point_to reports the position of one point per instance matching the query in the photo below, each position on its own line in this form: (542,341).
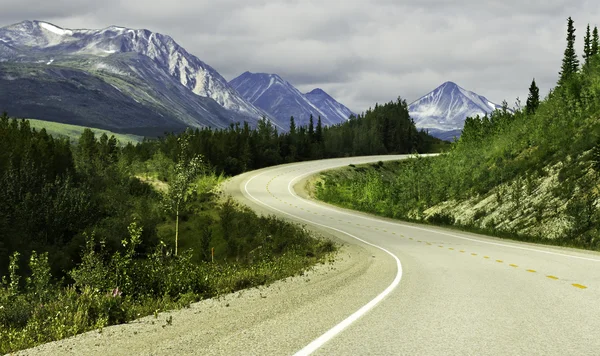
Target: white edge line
(331,333)
(425,229)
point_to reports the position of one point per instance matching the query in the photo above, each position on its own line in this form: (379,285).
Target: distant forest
(386,129)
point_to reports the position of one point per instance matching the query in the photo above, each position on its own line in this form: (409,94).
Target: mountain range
(121,79)
(442,112)
(281,99)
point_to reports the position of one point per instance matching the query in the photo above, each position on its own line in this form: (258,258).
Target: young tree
(533,99)
(570,63)
(587,45)
(180,187)
(595,42)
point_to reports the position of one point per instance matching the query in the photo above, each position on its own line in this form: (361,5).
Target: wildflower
(116,292)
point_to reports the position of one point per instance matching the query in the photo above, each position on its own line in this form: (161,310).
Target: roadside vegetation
(532,174)
(88,235)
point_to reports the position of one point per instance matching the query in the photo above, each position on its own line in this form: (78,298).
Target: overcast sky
(361,52)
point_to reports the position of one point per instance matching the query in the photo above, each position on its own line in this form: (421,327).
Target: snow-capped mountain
(282,100)
(330,107)
(446,108)
(137,60)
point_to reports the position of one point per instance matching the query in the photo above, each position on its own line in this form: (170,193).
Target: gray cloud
(361,52)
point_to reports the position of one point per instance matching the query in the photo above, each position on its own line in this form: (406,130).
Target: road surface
(395,289)
(458,293)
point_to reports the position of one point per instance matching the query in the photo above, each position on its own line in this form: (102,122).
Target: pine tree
(292,126)
(587,45)
(311,128)
(319,130)
(533,100)
(595,50)
(570,63)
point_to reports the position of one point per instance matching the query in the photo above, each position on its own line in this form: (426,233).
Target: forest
(529,174)
(97,233)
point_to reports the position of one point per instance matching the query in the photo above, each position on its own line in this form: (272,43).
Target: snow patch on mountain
(55,29)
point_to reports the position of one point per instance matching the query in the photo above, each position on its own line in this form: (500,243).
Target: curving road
(394,289)
(440,292)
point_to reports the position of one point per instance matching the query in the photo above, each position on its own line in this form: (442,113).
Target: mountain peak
(446,107)
(317,91)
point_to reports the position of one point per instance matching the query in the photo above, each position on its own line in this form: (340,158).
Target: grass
(73,132)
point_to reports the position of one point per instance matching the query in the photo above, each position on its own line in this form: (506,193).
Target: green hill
(73,132)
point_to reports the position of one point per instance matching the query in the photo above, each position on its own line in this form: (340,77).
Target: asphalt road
(394,289)
(445,292)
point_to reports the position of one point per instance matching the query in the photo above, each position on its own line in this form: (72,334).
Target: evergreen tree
(587,45)
(533,100)
(570,63)
(319,130)
(292,126)
(595,42)
(311,129)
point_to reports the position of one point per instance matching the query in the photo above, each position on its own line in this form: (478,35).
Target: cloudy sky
(361,52)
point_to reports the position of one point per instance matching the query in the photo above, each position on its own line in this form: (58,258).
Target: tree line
(384,129)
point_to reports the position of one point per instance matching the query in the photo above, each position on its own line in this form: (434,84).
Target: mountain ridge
(281,99)
(189,91)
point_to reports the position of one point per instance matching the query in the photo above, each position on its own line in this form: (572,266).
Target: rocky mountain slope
(137,79)
(282,100)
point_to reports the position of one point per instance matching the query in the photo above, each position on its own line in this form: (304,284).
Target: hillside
(532,174)
(120,79)
(73,132)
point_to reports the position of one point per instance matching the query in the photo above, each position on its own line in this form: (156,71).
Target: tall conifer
(587,45)
(595,42)
(319,130)
(570,63)
(533,99)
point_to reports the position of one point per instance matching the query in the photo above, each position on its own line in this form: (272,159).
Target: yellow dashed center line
(576,285)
